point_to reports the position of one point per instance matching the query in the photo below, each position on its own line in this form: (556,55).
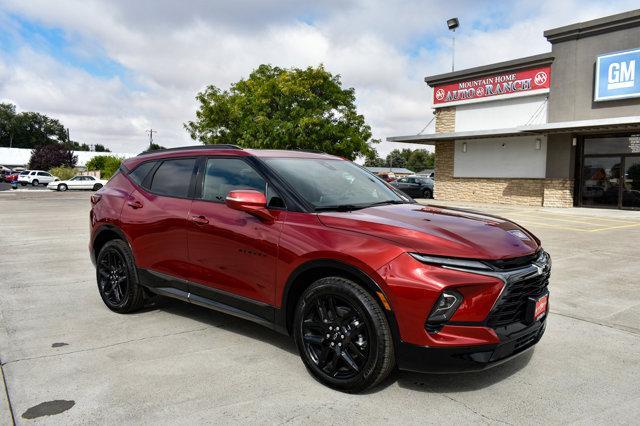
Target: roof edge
(511,65)
(594,27)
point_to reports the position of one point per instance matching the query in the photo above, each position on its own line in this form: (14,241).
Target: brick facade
(529,192)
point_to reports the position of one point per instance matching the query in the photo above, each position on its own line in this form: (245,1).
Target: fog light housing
(443,310)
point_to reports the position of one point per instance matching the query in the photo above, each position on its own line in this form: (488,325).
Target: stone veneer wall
(529,192)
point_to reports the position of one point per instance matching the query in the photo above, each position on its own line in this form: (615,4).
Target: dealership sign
(618,76)
(486,88)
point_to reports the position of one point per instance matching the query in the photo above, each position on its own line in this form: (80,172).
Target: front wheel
(62,187)
(117,280)
(97,186)
(427,193)
(343,336)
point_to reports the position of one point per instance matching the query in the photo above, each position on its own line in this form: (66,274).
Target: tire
(23,183)
(427,193)
(97,186)
(62,187)
(35,182)
(117,279)
(334,317)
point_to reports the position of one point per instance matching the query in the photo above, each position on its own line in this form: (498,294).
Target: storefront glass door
(601,181)
(610,172)
(631,183)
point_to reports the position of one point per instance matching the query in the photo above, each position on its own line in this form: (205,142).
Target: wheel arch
(304,275)
(103,235)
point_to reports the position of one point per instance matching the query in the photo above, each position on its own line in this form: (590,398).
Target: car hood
(438,231)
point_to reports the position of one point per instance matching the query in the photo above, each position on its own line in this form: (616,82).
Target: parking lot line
(547,225)
(630,225)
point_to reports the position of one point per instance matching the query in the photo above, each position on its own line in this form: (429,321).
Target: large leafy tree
(420,159)
(45,157)
(283,109)
(30,129)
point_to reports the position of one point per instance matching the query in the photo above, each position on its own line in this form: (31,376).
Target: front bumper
(468,358)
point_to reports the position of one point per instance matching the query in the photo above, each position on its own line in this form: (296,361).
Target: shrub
(107,164)
(45,157)
(63,173)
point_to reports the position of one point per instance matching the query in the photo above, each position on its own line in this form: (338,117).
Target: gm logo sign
(617,76)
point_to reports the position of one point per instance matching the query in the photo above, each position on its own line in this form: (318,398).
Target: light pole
(453,23)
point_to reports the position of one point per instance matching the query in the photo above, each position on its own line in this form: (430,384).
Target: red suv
(314,246)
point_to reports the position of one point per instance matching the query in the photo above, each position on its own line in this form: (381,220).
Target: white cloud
(169,51)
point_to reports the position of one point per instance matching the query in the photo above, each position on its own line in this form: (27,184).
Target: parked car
(415,186)
(310,245)
(77,182)
(387,177)
(10,177)
(35,177)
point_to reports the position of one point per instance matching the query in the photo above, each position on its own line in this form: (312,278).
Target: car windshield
(334,184)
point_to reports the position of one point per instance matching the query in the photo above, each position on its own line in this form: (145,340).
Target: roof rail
(182,148)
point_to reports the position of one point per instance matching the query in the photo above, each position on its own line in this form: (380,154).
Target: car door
(232,252)
(45,177)
(154,217)
(75,182)
(88,182)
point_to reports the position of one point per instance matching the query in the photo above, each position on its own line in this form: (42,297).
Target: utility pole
(151,132)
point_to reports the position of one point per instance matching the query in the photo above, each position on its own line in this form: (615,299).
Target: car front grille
(512,306)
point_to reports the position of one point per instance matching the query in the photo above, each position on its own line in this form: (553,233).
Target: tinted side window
(139,173)
(227,174)
(173,177)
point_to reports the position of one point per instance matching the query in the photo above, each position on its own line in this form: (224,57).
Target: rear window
(173,177)
(140,172)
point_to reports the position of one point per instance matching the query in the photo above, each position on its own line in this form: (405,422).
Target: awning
(616,124)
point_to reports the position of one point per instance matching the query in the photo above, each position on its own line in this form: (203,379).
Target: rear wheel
(117,280)
(35,182)
(97,186)
(342,335)
(427,193)
(62,187)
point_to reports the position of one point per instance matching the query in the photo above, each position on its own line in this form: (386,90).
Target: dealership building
(559,129)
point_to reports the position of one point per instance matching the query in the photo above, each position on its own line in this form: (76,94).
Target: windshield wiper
(340,208)
(349,207)
(380,203)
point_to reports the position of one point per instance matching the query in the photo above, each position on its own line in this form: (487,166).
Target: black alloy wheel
(342,335)
(97,186)
(117,281)
(335,336)
(427,193)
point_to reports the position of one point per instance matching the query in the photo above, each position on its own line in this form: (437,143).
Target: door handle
(135,204)
(199,220)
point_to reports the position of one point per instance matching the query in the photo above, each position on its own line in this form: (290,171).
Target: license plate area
(537,307)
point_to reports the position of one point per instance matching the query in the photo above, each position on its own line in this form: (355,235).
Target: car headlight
(450,261)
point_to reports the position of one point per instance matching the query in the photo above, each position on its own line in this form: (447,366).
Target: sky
(111,69)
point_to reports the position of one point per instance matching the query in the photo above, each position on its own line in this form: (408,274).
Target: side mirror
(249,201)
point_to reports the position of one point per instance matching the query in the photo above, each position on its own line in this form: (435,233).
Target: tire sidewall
(62,187)
(330,286)
(133,288)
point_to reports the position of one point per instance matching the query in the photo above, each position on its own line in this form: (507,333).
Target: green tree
(64,173)
(101,148)
(153,147)
(45,157)
(371,158)
(107,164)
(420,159)
(395,159)
(283,109)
